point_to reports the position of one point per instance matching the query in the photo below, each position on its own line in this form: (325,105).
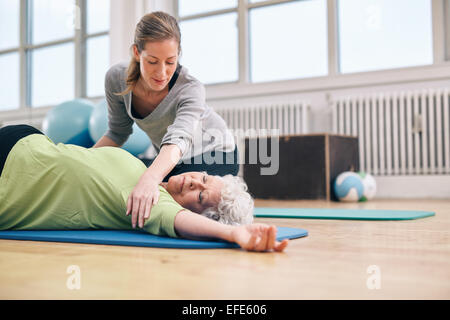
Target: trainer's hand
(140,201)
(258,237)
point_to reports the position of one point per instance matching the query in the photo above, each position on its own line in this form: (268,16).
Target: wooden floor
(413,259)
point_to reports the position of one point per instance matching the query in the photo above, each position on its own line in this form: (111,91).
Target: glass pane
(288,41)
(382,34)
(53,20)
(189,7)
(210,48)
(9,23)
(97,65)
(97,16)
(53,75)
(9,81)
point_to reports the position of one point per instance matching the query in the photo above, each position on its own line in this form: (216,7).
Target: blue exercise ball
(68,123)
(137,143)
(348,186)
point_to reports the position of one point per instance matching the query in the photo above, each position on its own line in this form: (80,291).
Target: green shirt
(47,186)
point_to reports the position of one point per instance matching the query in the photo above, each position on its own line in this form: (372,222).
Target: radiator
(399,133)
(286,118)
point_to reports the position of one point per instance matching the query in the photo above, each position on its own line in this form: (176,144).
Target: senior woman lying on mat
(48,186)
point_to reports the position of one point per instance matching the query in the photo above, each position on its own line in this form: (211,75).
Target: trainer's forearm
(105,142)
(167,159)
(193,226)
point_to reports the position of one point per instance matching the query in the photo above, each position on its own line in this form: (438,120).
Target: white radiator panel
(287,118)
(400,133)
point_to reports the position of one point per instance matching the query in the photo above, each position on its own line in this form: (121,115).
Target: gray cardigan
(182,118)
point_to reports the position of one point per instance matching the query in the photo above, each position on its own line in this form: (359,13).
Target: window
(97,46)
(191,7)
(209,42)
(52,70)
(9,81)
(52,51)
(9,20)
(384,34)
(97,16)
(9,56)
(288,41)
(210,48)
(51,20)
(97,52)
(274,40)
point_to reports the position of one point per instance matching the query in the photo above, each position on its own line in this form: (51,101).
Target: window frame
(25,50)
(439,70)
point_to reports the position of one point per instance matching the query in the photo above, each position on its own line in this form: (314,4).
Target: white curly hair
(236,204)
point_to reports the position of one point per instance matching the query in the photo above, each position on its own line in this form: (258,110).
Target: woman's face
(158,62)
(195,191)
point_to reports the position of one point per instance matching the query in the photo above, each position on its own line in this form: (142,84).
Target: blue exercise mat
(348,214)
(132,238)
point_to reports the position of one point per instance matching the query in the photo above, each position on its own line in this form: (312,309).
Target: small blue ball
(348,186)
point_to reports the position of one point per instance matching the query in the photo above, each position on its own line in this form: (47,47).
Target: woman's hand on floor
(258,237)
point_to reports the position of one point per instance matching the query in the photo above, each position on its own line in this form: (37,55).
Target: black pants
(214,163)
(9,135)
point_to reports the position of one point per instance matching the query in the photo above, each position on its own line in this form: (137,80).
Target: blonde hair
(155,26)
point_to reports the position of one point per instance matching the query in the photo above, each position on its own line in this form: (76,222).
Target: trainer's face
(158,62)
(195,191)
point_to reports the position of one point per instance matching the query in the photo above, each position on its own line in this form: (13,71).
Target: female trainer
(166,102)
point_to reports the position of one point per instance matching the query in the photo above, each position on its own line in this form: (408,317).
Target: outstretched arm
(253,237)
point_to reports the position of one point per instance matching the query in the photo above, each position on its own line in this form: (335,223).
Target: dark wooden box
(307,165)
